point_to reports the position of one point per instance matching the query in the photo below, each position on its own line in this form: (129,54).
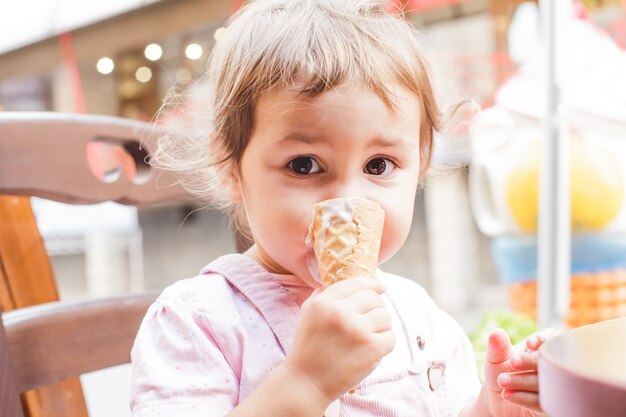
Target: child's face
(342,143)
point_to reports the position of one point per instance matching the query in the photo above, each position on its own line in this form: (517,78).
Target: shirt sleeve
(178,368)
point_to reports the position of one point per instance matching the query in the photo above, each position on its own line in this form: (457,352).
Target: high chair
(44,343)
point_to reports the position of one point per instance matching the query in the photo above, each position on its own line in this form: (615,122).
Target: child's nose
(348,188)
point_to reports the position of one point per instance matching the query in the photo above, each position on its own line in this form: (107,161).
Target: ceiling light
(219,33)
(105,65)
(193,51)
(143,74)
(153,52)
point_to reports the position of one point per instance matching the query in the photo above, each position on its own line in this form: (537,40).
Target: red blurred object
(236,5)
(71,66)
(617,30)
(106,160)
(580,11)
(419,5)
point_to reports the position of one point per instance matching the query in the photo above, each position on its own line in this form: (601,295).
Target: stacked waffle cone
(594,296)
(345,235)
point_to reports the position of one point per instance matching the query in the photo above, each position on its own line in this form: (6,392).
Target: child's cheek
(394,234)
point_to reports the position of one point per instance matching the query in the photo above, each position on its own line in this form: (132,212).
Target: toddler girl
(312,100)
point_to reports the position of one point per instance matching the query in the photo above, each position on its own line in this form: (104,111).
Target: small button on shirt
(209,341)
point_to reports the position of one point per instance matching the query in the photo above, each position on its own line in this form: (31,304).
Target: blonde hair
(272,44)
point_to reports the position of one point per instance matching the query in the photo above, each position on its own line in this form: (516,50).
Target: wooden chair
(48,343)
(76,159)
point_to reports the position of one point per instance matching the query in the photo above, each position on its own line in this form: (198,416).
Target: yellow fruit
(597,188)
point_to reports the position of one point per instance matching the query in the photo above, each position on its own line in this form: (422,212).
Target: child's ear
(233,186)
(227,174)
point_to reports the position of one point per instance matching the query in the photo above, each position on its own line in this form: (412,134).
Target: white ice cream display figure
(504,176)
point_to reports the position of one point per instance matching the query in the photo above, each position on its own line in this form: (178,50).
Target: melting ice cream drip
(345,235)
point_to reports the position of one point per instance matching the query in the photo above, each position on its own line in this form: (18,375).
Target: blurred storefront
(124,61)
(66,71)
(124,64)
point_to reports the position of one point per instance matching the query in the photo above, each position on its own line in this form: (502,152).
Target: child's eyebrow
(376,142)
(302,137)
(391,142)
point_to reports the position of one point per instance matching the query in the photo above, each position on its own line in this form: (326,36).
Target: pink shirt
(209,341)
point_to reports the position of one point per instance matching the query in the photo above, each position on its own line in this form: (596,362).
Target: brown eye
(379,167)
(304,165)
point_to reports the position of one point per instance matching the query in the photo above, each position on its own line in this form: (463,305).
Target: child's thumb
(499,348)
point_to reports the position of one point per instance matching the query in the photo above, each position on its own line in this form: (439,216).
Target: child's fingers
(363,301)
(347,287)
(535,340)
(499,347)
(499,350)
(378,320)
(523,398)
(524,361)
(385,342)
(522,381)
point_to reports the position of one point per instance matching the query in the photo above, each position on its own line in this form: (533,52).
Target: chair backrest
(48,343)
(75,159)
(82,159)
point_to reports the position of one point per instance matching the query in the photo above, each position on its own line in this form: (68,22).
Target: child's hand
(511,375)
(343,334)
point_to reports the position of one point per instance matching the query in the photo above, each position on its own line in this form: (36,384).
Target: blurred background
(472,243)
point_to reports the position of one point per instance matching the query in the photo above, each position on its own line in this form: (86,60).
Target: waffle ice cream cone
(345,235)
